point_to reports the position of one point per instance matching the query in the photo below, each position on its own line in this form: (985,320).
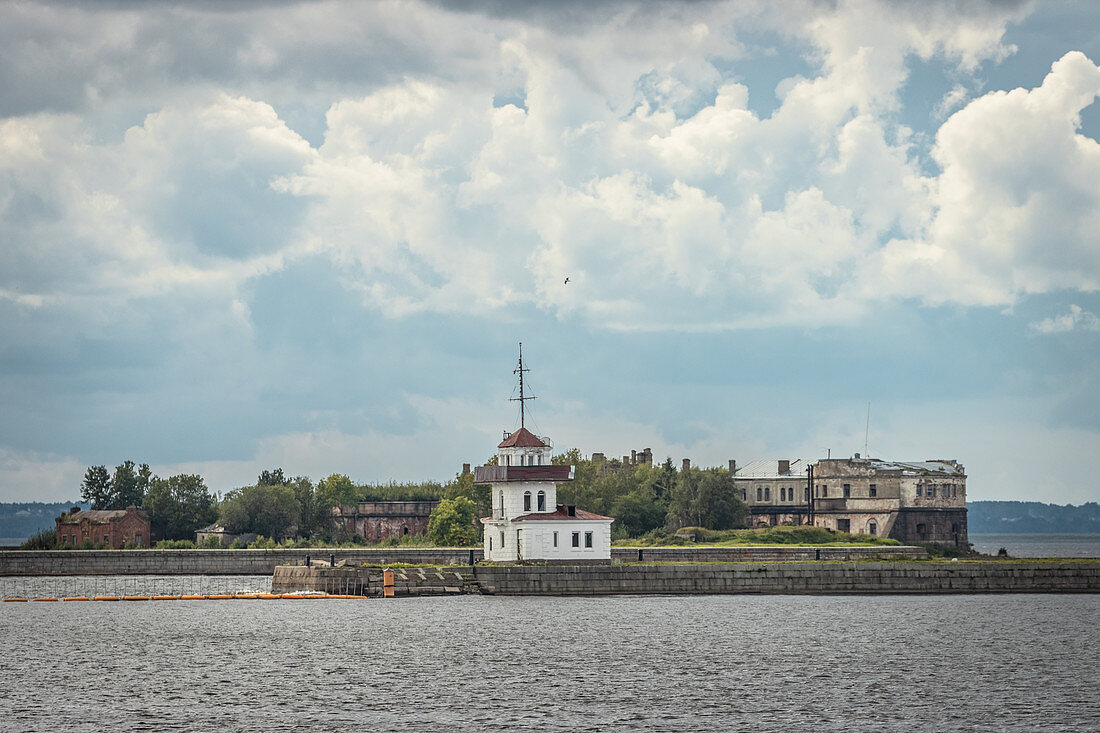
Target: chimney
(784,466)
(633,458)
(733,467)
(687,464)
(465,468)
(571,510)
(647,456)
(598,458)
(857,456)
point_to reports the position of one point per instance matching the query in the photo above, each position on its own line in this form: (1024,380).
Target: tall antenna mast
(866,430)
(521,399)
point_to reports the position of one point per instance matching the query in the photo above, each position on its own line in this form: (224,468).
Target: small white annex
(527,522)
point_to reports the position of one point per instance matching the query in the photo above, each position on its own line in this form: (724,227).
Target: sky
(243,235)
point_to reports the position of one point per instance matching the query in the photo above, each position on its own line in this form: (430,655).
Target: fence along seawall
(264,562)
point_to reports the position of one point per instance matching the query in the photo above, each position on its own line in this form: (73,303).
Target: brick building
(116,527)
(379,520)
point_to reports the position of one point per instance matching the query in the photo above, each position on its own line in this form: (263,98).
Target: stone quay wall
(211,562)
(816,578)
(361,581)
(264,562)
(775,553)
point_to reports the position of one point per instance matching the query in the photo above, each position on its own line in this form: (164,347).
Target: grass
(802,536)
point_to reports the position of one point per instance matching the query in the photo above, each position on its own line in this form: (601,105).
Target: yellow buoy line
(194,597)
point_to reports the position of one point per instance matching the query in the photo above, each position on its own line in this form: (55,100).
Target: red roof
(562,514)
(522,438)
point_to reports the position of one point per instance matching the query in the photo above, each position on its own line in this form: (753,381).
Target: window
(526,501)
(502,504)
(920,490)
(744,495)
(490,544)
(873,491)
(767,493)
(946,492)
(824,492)
(847,490)
(576,539)
(542,501)
(954,490)
(806,491)
(137,540)
(502,540)
(783,493)
(507,460)
(872,528)
(555,539)
(587,539)
(759,493)
(921,530)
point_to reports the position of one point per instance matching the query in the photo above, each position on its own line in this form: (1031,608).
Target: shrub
(44,540)
(174,545)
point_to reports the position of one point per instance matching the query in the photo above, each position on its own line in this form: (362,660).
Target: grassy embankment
(766,536)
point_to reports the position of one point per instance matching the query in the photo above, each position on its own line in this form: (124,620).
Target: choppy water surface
(1039,545)
(1011,662)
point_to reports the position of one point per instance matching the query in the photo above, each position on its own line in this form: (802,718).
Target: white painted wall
(513,491)
(524,456)
(535,540)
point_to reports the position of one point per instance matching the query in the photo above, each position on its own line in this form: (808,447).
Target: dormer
(524,448)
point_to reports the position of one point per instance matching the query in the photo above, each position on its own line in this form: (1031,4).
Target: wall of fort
(263,562)
(813,578)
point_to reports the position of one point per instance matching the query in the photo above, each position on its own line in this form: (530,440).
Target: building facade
(527,522)
(379,520)
(116,527)
(910,501)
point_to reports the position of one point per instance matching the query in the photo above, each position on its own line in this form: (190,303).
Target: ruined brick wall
(942,526)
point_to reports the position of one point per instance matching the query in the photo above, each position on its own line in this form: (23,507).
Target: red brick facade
(379,520)
(116,527)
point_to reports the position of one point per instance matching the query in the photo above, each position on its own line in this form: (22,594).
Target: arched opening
(542,501)
(502,505)
(526,501)
(404,530)
(872,528)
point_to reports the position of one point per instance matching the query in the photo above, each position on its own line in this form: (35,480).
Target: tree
(451,523)
(337,490)
(313,518)
(179,505)
(268,510)
(463,485)
(96,487)
(128,486)
(705,499)
(272,478)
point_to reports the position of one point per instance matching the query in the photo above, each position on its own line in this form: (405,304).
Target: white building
(527,522)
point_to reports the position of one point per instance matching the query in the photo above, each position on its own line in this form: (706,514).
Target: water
(685,663)
(1039,545)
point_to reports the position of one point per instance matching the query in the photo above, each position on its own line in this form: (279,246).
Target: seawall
(264,562)
(807,578)
(794,578)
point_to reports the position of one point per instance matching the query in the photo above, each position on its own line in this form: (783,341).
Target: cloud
(1076,320)
(1016,203)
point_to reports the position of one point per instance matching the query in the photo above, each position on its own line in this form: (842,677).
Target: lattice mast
(522,397)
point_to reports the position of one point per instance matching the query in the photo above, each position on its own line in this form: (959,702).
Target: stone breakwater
(264,562)
(813,578)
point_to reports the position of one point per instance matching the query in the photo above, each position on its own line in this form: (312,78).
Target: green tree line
(642,498)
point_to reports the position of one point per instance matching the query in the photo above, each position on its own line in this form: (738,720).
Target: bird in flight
(566,281)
